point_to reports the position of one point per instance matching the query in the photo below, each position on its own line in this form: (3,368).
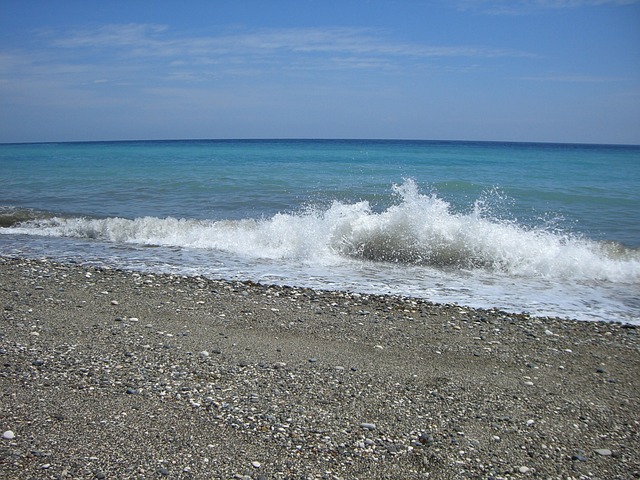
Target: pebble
(368,426)
(523,469)
(603,451)
(256,464)
(8,435)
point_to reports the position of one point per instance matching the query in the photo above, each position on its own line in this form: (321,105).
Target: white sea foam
(418,230)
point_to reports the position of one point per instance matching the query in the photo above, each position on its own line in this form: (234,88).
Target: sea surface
(547,229)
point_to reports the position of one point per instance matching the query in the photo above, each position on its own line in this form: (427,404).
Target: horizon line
(319,139)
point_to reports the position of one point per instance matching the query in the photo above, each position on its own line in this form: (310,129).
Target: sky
(496,70)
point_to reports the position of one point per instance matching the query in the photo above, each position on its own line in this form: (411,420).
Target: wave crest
(417,229)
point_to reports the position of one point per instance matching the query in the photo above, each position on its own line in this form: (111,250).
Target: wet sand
(111,374)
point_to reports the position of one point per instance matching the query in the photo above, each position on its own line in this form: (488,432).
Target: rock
(368,426)
(8,435)
(425,439)
(255,464)
(523,469)
(131,391)
(605,452)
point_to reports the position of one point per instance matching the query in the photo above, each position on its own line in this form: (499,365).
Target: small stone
(530,384)
(99,475)
(114,302)
(256,464)
(204,354)
(523,469)
(131,391)
(604,452)
(8,435)
(313,360)
(530,422)
(163,471)
(368,426)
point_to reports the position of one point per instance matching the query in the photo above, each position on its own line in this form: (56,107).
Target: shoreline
(117,374)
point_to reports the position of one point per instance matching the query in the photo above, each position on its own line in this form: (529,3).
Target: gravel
(112,374)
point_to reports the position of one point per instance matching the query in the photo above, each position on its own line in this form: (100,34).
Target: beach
(122,374)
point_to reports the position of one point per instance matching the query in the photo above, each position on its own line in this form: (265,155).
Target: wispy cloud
(572,78)
(130,53)
(522,7)
(158,40)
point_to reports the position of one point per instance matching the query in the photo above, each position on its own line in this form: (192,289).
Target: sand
(112,374)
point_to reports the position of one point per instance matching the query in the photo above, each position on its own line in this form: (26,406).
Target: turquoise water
(543,228)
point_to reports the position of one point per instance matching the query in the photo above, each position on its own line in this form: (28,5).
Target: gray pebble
(368,426)
(603,451)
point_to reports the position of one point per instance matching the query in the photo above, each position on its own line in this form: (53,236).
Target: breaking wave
(417,229)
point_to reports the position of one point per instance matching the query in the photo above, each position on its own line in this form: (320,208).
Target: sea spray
(416,229)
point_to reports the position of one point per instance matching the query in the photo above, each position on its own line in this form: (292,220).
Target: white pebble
(8,435)
(256,464)
(524,469)
(530,422)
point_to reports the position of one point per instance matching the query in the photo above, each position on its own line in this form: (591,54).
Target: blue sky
(518,70)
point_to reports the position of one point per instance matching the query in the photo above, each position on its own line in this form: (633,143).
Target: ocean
(546,229)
